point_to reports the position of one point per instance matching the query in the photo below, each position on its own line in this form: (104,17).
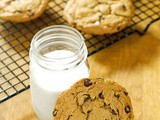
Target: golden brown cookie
(94,99)
(21,10)
(99,16)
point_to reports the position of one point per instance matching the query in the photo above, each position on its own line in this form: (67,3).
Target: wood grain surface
(133,62)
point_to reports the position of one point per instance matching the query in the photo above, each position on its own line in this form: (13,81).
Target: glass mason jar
(58,58)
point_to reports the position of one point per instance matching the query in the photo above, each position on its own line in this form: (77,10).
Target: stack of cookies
(94,99)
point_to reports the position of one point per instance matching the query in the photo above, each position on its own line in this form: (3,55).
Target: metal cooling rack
(15,39)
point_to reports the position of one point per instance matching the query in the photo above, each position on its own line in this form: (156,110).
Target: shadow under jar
(58,58)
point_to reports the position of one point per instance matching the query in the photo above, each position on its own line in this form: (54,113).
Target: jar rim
(47,29)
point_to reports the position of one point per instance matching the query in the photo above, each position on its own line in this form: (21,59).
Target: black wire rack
(15,41)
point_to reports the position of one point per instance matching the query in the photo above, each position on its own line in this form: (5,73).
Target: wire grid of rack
(15,41)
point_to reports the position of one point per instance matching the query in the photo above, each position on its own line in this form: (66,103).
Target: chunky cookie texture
(21,10)
(94,99)
(99,16)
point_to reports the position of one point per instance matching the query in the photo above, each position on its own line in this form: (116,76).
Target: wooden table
(133,62)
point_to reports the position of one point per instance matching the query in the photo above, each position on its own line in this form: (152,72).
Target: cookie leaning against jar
(21,10)
(94,99)
(99,16)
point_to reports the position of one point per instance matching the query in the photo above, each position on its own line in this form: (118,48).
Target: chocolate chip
(118,111)
(114,112)
(127,109)
(124,7)
(116,95)
(101,96)
(87,82)
(55,113)
(126,93)
(89,111)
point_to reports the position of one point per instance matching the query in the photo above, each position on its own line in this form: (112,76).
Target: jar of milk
(58,58)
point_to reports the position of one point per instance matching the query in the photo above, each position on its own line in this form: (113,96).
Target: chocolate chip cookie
(21,10)
(94,99)
(99,16)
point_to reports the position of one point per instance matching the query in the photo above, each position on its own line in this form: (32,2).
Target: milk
(47,84)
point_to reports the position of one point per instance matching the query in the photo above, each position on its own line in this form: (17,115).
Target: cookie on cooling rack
(94,99)
(21,10)
(99,16)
